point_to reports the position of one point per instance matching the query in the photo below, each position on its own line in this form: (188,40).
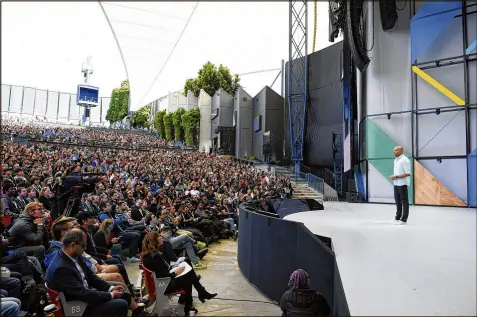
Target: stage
(426,267)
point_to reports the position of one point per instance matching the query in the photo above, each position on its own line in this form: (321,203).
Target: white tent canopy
(44,44)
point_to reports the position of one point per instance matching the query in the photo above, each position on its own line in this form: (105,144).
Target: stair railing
(316,183)
(329,178)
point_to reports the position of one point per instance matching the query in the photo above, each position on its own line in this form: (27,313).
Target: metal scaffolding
(297,78)
(419,112)
(338,162)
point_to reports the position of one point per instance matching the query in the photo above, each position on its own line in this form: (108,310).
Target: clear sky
(45,43)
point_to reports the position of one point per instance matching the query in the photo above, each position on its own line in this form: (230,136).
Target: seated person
(153,259)
(139,210)
(183,242)
(124,227)
(152,222)
(10,306)
(28,233)
(12,286)
(9,208)
(61,227)
(169,218)
(102,239)
(186,222)
(86,221)
(228,213)
(302,300)
(18,261)
(69,274)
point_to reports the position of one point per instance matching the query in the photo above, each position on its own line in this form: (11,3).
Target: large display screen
(87,94)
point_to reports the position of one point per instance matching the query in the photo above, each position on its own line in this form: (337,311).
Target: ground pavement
(236,296)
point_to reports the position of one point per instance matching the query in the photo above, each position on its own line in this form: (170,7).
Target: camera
(69,190)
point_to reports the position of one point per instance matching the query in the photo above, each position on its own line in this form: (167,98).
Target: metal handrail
(329,177)
(316,183)
(309,170)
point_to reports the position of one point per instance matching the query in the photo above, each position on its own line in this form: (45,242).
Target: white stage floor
(426,267)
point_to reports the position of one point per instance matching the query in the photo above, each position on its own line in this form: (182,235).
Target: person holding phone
(102,239)
(152,259)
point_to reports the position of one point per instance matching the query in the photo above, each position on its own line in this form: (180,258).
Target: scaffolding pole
(297,78)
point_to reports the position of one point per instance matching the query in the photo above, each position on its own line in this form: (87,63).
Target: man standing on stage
(402,180)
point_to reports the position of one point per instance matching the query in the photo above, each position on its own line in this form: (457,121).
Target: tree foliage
(168,127)
(177,123)
(118,106)
(159,123)
(190,124)
(210,78)
(140,118)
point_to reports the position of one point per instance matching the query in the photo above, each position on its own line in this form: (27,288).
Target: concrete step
(303,190)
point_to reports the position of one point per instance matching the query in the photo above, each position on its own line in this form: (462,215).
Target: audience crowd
(160,207)
(82,135)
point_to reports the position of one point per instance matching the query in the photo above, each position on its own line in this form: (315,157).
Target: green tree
(190,124)
(210,78)
(191,84)
(159,123)
(177,123)
(140,118)
(168,127)
(118,106)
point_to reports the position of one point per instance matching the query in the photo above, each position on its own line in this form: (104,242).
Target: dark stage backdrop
(324,113)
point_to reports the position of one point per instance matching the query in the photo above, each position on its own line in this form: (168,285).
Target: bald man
(402,180)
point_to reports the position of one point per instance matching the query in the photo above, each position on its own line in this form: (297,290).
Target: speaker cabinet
(389,15)
(354,22)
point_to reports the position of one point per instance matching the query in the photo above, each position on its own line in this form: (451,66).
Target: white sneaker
(132,260)
(403,223)
(397,222)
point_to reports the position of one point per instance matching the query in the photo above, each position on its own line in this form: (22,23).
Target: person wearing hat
(28,232)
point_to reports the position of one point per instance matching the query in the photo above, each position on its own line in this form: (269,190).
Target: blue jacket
(119,219)
(55,247)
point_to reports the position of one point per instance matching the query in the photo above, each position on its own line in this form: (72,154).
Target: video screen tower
(87,96)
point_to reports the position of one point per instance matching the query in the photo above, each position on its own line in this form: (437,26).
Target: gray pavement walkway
(236,296)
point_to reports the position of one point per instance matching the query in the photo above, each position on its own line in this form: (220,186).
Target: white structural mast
(87,96)
(87,70)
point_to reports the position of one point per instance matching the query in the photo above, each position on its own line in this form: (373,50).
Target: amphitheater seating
(7,220)
(156,288)
(65,308)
